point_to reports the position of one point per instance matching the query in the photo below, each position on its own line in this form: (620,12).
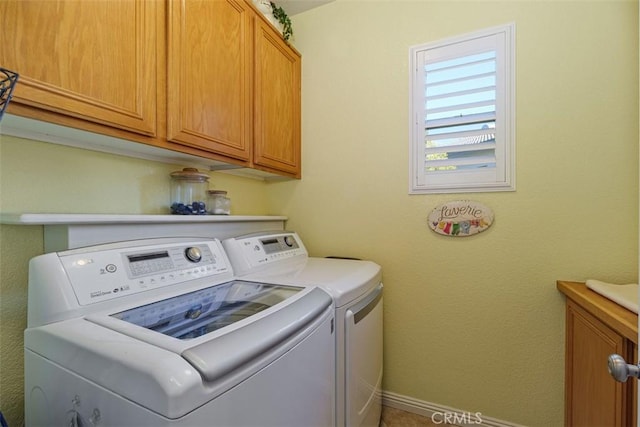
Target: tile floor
(392,417)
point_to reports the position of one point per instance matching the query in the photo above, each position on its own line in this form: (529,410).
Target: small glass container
(219,203)
(188,192)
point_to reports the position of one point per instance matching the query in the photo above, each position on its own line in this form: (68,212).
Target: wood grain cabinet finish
(210,76)
(93,60)
(596,328)
(277,102)
(201,77)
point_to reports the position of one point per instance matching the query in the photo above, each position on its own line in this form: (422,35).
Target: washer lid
(200,312)
(256,338)
(185,321)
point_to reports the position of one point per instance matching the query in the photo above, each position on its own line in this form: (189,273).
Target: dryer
(161,333)
(356,289)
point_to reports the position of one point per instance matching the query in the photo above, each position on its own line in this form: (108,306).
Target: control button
(289,241)
(193,254)
(111,268)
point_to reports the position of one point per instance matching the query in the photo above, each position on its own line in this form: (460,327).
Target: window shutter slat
(460,108)
(459,93)
(457,148)
(455,121)
(485,160)
(462,80)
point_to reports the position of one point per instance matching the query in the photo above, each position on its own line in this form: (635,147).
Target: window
(462,113)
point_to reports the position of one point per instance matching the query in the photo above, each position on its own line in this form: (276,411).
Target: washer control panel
(249,252)
(102,275)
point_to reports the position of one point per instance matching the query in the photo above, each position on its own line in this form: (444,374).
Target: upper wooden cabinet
(94,60)
(277,102)
(209,72)
(201,77)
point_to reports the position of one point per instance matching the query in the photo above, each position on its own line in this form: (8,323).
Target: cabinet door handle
(620,370)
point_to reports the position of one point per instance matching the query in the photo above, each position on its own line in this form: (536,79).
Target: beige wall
(474,323)
(42,177)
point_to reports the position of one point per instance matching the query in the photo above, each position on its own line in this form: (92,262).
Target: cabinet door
(94,60)
(277,102)
(593,397)
(633,399)
(209,76)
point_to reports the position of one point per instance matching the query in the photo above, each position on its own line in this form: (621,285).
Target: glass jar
(219,203)
(189,192)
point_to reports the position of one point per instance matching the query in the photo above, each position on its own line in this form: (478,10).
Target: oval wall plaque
(460,218)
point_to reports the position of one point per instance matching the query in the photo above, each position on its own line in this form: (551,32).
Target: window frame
(460,181)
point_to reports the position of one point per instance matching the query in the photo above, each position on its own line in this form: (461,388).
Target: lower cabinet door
(593,397)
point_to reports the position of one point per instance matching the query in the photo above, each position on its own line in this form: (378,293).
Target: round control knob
(289,241)
(193,254)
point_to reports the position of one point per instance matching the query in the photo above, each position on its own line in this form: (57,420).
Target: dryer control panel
(254,251)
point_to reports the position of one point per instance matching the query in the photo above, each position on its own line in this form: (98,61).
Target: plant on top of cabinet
(283,18)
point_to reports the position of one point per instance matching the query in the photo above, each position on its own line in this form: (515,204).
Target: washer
(160,333)
(356,288)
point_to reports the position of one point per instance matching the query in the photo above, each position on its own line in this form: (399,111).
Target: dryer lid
(344,279)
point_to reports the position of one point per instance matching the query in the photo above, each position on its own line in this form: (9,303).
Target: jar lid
(191,174)
(220,192)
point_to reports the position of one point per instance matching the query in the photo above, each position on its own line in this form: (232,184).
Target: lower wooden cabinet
(592,396)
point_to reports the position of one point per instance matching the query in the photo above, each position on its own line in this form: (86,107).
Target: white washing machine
(160,333)
(356,288)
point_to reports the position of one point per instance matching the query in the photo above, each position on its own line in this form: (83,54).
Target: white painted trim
(467,181)
(433,410)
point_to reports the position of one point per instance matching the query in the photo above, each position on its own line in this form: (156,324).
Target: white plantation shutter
(462,133)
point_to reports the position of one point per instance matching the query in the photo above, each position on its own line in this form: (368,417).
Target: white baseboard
(439,413)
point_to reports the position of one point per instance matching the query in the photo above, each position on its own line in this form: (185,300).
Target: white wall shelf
(69,231)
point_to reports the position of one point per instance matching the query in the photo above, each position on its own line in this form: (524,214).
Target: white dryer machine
(159,332)
(356,288)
